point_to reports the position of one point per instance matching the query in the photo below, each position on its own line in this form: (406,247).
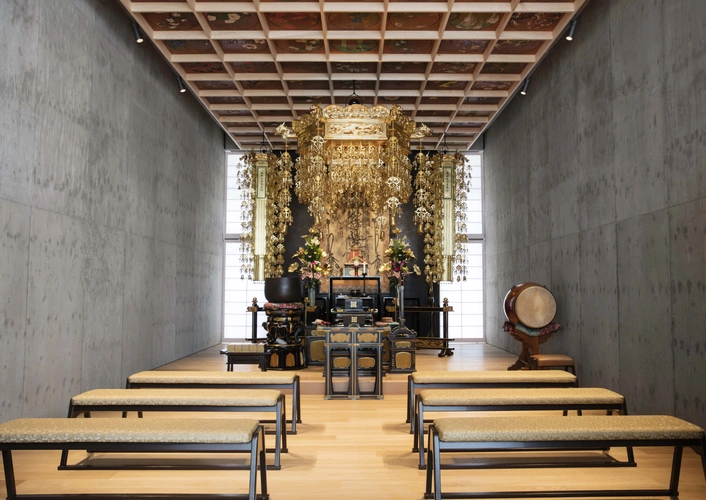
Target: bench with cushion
(480,379)
(222,380)
(503,434)
(137,435)
(178,400)
(541,361)
(565,399)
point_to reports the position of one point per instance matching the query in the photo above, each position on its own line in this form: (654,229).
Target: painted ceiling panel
(453,64)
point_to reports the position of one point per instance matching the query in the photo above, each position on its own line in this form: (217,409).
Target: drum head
(535,307)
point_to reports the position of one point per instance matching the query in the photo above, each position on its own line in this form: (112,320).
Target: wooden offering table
(246,354)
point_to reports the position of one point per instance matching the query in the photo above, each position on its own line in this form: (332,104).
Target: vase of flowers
(310,265)
(399,255)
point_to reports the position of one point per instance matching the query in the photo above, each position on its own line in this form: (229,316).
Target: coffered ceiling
(451,65)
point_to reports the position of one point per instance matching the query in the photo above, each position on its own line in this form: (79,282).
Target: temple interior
(353,198)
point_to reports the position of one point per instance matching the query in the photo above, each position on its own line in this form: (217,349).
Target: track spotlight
(182,89)
(523,90)
(138,33)
(572,28)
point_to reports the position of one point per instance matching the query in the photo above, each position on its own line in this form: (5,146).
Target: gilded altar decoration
(353,161)
(245,179)
(462,185)
(266,182)
(354,175)
(440,195)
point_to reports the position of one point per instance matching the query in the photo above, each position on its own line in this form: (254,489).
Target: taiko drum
(530,304)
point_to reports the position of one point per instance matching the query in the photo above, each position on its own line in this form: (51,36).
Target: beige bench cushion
(557,428)
(494,377)
(568,395)
(553,359)
(206,377)
(128,430)
(179,397)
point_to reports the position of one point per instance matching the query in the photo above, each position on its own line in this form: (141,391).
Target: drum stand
(530,345)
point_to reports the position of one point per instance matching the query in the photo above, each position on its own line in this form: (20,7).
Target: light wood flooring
(347,450)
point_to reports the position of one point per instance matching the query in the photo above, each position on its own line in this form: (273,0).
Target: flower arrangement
(310,264)
(399,254)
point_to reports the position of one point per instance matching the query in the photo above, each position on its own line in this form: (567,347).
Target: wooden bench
(480,379)
(137,435)
(222,380)
(503,434)
(542,361)
(178,400)
(565,399)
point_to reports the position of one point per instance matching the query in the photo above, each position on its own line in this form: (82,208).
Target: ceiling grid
(452,65)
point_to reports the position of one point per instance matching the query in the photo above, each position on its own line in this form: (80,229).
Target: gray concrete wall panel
(19,25)
(685,130)
(644,314)
(144,161)
(599,364)
(95,154)
(103,282)
(640,174)
(163,302)
(55,298)
(615,135)
(14,264)
(540,264)
(137,308)
(63,84)
(687,252)
(565,287)
(105,171)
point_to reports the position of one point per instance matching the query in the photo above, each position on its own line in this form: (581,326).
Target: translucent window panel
(466,297)
(238,295)
(233,227)
(238,292)
(475,228)
(234,197)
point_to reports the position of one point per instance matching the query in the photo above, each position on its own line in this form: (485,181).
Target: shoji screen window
(466,297)
(238,290)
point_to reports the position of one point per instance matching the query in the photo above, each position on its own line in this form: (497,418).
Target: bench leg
(427,492)
(296,405)
(676,471)
(9,474)
(260,449)
(419,430)
(257,456)
(281,433)
(434,466)
(631,453)
(282,421)
(410,403)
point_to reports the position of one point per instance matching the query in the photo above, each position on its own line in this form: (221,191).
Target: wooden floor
(347,450)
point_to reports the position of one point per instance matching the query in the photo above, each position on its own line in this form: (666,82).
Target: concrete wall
(596,187)
(111,206)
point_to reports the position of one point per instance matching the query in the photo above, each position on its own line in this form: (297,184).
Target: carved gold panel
(403,360)
(366,362)
(316,350)
(341,362)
